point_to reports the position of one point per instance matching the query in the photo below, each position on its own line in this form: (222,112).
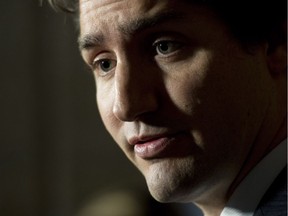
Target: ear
(277,60)
(277,51)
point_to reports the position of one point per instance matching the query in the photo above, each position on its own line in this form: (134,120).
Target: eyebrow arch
(89,41)
(141,24)
(128,28)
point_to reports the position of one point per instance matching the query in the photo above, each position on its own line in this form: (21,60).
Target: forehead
(103,6)
(108,4)
(96,14)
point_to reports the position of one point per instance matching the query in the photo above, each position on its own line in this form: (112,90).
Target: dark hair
(251,21)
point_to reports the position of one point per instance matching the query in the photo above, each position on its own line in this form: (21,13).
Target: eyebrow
(142,24)
(89,41)
(128,28)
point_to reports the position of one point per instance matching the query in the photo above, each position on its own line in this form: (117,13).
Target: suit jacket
(274,202)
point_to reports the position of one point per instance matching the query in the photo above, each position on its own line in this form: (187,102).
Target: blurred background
(56,159)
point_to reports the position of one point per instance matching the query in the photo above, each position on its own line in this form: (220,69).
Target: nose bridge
(134,95)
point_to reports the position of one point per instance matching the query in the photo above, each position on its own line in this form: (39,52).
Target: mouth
(160,146)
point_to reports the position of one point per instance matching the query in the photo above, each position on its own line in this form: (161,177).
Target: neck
(213,202)
(270,135)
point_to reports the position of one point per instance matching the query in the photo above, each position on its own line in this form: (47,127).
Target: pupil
(105,64)
(164,47)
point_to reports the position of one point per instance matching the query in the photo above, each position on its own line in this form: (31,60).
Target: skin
(185,78)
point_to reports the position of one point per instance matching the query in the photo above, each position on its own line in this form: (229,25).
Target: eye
(104,65)
(166,47)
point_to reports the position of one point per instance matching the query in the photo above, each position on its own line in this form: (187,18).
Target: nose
(135,92)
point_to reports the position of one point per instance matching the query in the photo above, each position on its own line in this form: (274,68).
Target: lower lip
(158,148)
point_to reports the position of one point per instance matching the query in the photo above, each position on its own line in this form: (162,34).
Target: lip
(158,146)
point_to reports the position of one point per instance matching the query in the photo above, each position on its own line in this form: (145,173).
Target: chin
(171,180)
(167,194)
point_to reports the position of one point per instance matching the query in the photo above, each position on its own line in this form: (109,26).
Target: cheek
(186,82)
(105,100)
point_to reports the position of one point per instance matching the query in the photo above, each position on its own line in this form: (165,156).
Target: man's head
(192,101)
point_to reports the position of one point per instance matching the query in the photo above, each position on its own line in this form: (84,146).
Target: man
(194,93)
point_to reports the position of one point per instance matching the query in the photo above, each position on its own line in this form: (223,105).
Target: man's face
(175,90)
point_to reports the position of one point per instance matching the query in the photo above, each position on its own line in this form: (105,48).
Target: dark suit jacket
(274,202)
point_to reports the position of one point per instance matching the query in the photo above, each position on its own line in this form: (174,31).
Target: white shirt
(248,194)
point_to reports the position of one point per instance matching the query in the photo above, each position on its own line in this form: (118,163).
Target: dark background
(54,152)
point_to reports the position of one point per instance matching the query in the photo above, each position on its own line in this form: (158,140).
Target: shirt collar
(248,194)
